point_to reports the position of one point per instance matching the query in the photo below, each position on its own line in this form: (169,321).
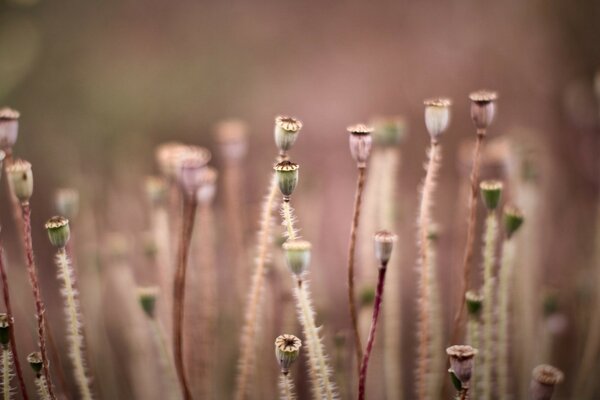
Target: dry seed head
(66,202)
(5,327)
(287,350)
(191,165)
(58,231)
(232,136)
(389,132)
(297,255)
(167,156)
(437,116)
(287,177)
(21,179)
(491,192)
(361,142)
(147,297)
(544,378)
(35,361)
(9,128)
(208,186)
(156,190)
(286,132)
(483,109)
(461,361)
(384,243)
(513,219)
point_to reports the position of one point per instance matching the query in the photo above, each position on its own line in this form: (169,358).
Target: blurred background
(100,84)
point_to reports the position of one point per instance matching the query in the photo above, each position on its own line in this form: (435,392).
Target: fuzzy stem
(471,223)
(162,241)
(286,386)
(436,353)
(323,388)
(189,211)
(166,359)
(42,387)
(504,291)
(360,185)
(371,339)
(74,324)
(6,373)
(13,343)
(424,219)
(251,320)
(473,339)
(39,304)
(287,213)
(464,394)
(491,234)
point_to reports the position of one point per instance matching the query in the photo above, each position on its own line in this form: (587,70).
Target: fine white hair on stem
(286,386)
(42,388)
(7,373)
(289,221)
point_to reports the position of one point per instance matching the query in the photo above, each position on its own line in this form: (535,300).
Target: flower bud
(232,137)
(483,109)
(21,179)
(191,169)
(360,143)
(297,255)
(208,186)
(287,350)
(66,201)
(5,327)
(513,219)
(491,192)
(9,128)
(286,132)
(461,362)
(384,243)
(544,378)
(287,177)
(389,132)
(35,361)
(474,302)
(58,231)
(147,298)
(437,116)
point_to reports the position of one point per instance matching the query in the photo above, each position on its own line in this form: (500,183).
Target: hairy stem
(424,302)
(436,346)
(504,292)
(371,339)
(39,304)
(491,234)
(471,223)
(251,320)
(360,185)
(166,359)
(160,231)
(74,324)
(287,387)
(189,211)
(473,340)
(287,214)
(6,372)
(42,387)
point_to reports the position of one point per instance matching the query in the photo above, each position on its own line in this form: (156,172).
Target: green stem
(491,235)
(504,290)
(287,388)
(166,359)
(6,372)
(473,339)
(42,387)
(287,214)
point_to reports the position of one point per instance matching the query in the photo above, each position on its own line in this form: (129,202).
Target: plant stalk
(491,234)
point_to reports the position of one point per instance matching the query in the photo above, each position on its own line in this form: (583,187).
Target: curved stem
(371,338)
(360,185)
(488,303)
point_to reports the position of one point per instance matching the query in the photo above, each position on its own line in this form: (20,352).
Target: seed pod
(297,255)
(491,192)
(287,177)
(147,298)
(461,362)
(5,327)
(232,137)
(483,109)
(360,143)
(389,132)
(287,350)
(474,303)
(58,231)
(21,179)
(286,132)
(66,201)
(384,243)
(191,169)
(208,186)
(513,219)
(9,128)
(437,116)
(35,361)
(544,378)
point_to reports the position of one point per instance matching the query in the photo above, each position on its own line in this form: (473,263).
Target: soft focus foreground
(175,268)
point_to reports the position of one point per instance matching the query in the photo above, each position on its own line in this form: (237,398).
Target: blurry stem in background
(189,212)
(162,240)
(287,387)
(232,184)
(14,202)
(504,292)
(251,320)
(13,343)
(471,224)
(371,338)
(473,340)
(39,305)
(166,360)
(360,185)
(490,239)
(436,345)
(424,300)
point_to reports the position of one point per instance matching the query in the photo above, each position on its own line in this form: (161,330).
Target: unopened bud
(483,109)
(286,132)
(9,128)
(58,231)
(491,192)
(66,201)
(384,243)
(287,177)
(297,255)
(21,179)
(513,219)
(287,350)
(360,143)
(544,378)
(461,362)
(5,327)
(147,298)
(437,116)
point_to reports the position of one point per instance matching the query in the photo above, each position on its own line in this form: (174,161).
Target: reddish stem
(371,340)
(13,343)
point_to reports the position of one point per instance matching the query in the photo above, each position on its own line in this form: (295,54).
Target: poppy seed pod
(491,192)
(167,157)
(9,128)
(461,362)
(147,298)
(389,132)
(287,177)
(286,132)
(384,243)
(232,137)
(208,186)
(544,378)
(474,302)
(66,201)
(5,327)
(297,255)
(513,219)
(35,361)
(437,116)
(58,231)
(287,350)
(21,179)
(191,169)
(483,109)
(360,143)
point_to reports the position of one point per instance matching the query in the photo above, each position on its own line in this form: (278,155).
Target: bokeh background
(100,84)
